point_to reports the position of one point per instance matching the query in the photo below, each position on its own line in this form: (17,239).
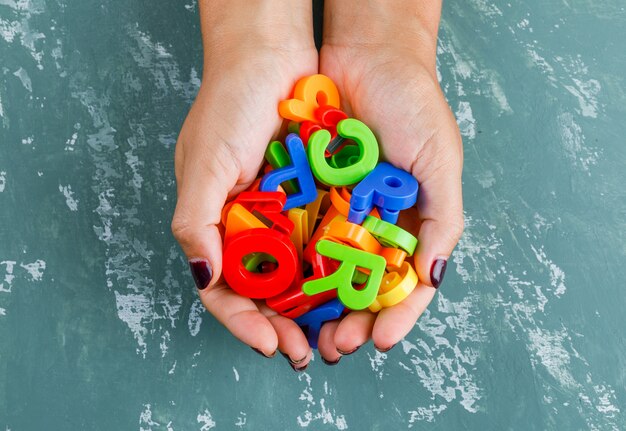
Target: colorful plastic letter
(386,187)
(351,259)
(348,155)
(267,207)
(300,233)
(239,220)
(299,169)
(255,262)
(277,157)
(294,302)
(341,230)
(394,257)
(319,205)
(395,287)
(260,285)
(390,235)
(308,94)
(351,174)
(312,321)
(307,128)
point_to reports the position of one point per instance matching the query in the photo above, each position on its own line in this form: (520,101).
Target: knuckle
(457,226)
(181,229)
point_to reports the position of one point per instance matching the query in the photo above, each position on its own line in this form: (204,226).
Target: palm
(401,101)
(219,153)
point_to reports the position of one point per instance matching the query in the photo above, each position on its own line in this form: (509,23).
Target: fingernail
(201,272)
(437,271)
(331,363)
(384,350)
(341,352)
(260,352)
(291,361)
(300,369)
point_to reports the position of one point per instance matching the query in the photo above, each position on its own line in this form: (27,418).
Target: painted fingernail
(331,363)
(437,271)
(341,352)
(260,352)
(292,361)
(201,272)
(298,369)
(384,350)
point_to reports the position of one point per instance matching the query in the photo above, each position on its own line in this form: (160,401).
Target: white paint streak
(155,58)
(206,420)
(71,202)
(549,349)
(133,309)
(145,419)
(427,413)
(323,414)
(71,142)
(465,120)
(35,269)
(485,178)
(142,303)
(165,339)
(3,180)
(236,373)
(24,10)
(24,79)
(572,140)
(195,317)
(241,420)
(586,92)
(557,276)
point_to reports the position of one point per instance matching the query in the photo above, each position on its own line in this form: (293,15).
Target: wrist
(404,24)
(266,25)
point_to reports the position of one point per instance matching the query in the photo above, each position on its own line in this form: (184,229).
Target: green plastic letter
(341,279)
(352,174)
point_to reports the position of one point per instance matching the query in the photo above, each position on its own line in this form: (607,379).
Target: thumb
(440,206)
(202,192)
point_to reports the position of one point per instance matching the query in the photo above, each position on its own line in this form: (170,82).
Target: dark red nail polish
(298,369)
(330,363)
(291,361)
(201,272)
(341,352)
(437,272)
(385,350)
(263,354)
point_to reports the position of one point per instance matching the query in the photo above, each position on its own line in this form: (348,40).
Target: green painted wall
(100,327)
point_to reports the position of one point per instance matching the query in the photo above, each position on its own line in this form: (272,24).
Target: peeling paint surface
(100,325)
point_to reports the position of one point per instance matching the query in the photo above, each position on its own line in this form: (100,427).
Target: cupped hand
(218,154)
(394,90)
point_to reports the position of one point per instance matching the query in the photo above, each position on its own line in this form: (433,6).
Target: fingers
(438,169)
(326,343)
(291,340)
(394,323)
(440,206)
(240,316)
(202,191)
(353,331)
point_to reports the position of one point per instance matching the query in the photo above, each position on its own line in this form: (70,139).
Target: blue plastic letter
(312,321)
(386,187)
(299,169)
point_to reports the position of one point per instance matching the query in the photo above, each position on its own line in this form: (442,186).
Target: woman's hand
(382,57)
(254,54)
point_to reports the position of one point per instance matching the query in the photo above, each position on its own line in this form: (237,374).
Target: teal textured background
(100,327)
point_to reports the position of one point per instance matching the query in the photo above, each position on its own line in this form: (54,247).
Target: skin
(254,53)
